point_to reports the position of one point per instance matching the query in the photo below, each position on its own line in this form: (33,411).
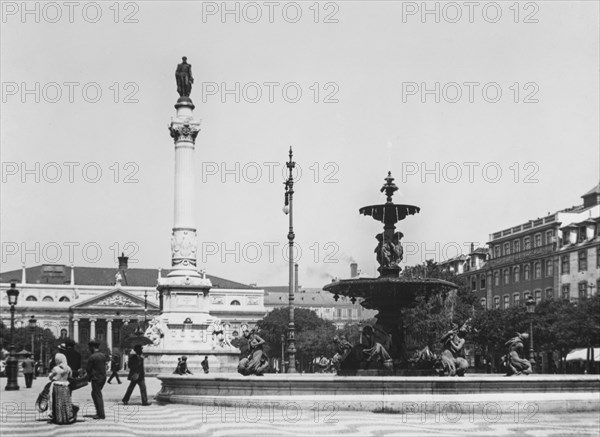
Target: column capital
(184,129)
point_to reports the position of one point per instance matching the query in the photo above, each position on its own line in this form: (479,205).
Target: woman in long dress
(61,410)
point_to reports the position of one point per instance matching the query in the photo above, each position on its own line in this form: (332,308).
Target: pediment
(117,299)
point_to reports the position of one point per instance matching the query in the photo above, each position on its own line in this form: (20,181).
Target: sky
(486,115)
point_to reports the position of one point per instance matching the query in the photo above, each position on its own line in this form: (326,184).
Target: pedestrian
(136,375)
(73,357)
(28,368)
(204,364)
(61,408)
(96,372)
(115,366)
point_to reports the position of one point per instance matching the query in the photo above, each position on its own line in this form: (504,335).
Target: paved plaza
(19,418)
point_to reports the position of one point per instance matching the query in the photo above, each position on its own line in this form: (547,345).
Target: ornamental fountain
(390,293)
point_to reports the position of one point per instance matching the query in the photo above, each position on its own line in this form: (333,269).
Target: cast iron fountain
(390,292)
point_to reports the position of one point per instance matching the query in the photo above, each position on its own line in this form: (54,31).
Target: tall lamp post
(11,361)
(531,310)
(287,209)
(32,325)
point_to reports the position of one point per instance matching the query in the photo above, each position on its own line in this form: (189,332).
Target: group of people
(66,375)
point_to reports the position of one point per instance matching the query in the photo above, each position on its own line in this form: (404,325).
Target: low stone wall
(543,393)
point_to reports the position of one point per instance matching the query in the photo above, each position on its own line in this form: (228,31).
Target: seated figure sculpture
(452,361)
(515,365)
(256,363)
(370,353)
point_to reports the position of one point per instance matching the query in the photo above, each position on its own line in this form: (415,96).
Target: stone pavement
(19,418)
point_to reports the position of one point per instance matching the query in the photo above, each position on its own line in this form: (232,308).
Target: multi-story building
(96,302)
(552,256)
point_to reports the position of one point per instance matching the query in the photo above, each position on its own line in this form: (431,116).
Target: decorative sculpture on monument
(372,352)
(184,78)
(389,251)
(515,365)
(156,330)
(452,362)
(256,363)
(219,336)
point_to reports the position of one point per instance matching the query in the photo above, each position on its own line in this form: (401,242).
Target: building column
(92,329)
(76,330)
(109,334)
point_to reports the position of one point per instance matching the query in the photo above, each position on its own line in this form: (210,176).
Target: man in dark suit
(73,357)
(96,372)
(136,375)
(28,370)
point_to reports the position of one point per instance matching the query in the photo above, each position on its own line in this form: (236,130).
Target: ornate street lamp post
(287,209)
(531,310)
(32,325)
(282,354)
(11,361)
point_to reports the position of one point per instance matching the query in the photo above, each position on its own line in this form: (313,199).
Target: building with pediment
(96,302)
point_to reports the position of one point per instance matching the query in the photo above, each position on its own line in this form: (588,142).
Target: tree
(314,336)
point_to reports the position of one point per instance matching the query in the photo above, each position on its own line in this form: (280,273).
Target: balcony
(522,256)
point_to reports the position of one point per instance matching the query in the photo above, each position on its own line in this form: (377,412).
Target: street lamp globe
(530,304)
(13,294)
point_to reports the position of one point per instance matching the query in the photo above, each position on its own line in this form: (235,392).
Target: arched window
(235,302)
(64,299)
(31,299)
(526,271)
(483,302)
(47,299)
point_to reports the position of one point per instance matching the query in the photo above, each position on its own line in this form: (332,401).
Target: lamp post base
(11,373)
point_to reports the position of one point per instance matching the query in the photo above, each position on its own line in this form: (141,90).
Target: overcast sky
(369,74)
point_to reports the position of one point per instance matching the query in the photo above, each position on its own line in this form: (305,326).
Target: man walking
(115,366)
(136,375)
(96,371)
(73,357)
(28,364)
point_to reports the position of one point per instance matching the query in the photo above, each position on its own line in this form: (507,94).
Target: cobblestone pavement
(19,418)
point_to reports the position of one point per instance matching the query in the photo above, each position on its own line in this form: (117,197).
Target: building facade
(95,302)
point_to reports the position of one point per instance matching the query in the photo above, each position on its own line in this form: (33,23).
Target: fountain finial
(389,187)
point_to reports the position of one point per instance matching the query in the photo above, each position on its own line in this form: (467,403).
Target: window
(517,246)
(583,287)
(537,240)
(235,302)
(506,276)
(549,236)
(31,299)
(496,278)
(549,267)
(538,270)
(526,295)
(527,243)
(506,249)
(47,299)
(516,273)
(526,271)
(482,282)
(496,251)
(516,299)
(565,291)
(582,257)
(506,301)
(581,234)
(483,302)
(497,302)
(549,293)
(538,296)
(473,283)
(564,264)
(64,299)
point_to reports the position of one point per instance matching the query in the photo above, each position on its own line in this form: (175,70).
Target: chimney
(353,270)
(123,261)
(24,275)
(72,274)
(472,247)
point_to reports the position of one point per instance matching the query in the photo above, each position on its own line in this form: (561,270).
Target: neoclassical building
(97,302)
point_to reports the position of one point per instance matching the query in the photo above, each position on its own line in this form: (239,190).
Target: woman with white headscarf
(61,410)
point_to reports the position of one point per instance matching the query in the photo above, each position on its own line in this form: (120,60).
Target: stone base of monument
(492,395)
(165,361)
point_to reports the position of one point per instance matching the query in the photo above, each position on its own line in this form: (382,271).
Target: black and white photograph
(300,218)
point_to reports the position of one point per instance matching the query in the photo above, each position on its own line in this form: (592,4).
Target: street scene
(293,218)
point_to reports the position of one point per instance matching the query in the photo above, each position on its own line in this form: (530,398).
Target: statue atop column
(184,78)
